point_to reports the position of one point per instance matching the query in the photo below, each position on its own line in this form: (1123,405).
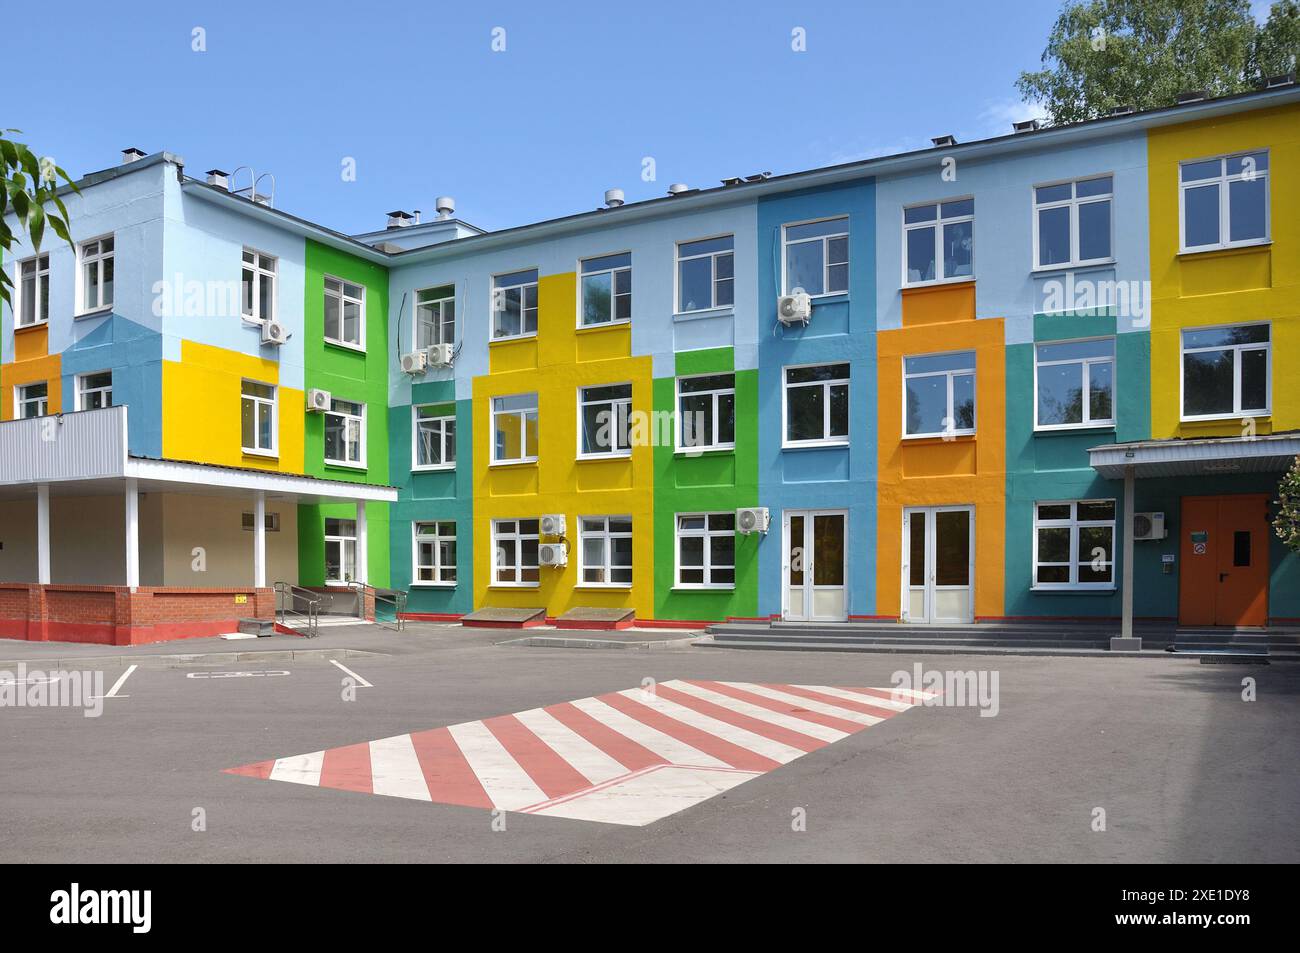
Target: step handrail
(284,606)
(397,600)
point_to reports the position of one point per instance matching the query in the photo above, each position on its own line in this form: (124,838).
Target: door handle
(1222,576)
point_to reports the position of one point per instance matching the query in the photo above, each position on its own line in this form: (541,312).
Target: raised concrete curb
(922,648)
(559,642)
(180,660)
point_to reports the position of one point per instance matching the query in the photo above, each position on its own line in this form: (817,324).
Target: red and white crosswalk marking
(629,757)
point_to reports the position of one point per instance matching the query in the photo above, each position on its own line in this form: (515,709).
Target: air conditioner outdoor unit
(553,524)
(318,401)
(439,355)
(273,332)
(1148,525)
(415,362)
(753,519)
(553,554)
(795,308)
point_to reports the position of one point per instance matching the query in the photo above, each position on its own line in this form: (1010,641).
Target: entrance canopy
(1212,456)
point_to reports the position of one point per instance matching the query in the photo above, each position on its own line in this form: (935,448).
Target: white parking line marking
(234,674)
(300,769)
(112,692)
(360,681)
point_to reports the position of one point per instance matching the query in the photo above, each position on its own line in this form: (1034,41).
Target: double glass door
(938,564)
(814,565)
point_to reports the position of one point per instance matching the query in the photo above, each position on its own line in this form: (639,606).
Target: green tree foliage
(1107,53)
(1287,522)
(30,192)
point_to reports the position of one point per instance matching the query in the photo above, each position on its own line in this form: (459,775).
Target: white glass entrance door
(813,565)
(938,564)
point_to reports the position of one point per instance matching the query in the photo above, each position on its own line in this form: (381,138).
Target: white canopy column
(362,548)
(132,532)
(259,539)
(43,534)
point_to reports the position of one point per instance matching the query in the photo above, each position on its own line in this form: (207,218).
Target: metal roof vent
(733,180)
(399,219)
(220,178)
(131,155)
(941,142)
(758,176)
(1281,79)
(613,197)
(1192,96)
(446,206)
(1026,125)
(677,188)
(1122,111)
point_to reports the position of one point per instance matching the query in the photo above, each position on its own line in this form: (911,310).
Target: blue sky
(582,93)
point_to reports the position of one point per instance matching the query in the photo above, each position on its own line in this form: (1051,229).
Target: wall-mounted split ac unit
(794,308)
(318,400)
(553,524)
(553,554)
(415,362)
(439,355)
(1148,525)
(753,519)
(273,332)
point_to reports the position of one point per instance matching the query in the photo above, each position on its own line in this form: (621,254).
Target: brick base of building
(118,615)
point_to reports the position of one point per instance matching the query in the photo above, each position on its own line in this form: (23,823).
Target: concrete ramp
(494,617)
(590,617)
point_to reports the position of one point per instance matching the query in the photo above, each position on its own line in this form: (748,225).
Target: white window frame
(83,390)
(40,295)
(98,258)
(1087,363)
(519,564)
(607,537)
(440,321)
(713,282)
(824,440)
(248,520)
(951,414)
(258,401)
(825,241)
(707,535)
(715,394)
(361,427)
(1074,524)
(442,420)
(937,224)
(613,404)
(613,273)
(1073,203)
(523,433)
(341,541)
(436,538)
(494,291)
(341,295)
(1238,411)
(21,400)
(1225,219)
(260,274)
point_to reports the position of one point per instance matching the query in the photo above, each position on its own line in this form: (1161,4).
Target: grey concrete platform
(504,617)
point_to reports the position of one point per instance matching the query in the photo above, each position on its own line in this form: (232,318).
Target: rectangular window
(705,274)
(340,551)
(514,429)
(605,550)
(271,522)
(1226,371)
(706,412)
(816,256)
(435,554)
(606,289)
(96,274)
(1224,202)
(817,405)
(605,420)
(32,400)
(345,433)
(345,305)
(257,286)
(95,390)
(435,317)
(1072,222)
(939,394)
(257,419)
(1076,384)
(33,291)
(434,438)
(939,242)
(514,553)
(706,550)
(514,304)
(1074,544)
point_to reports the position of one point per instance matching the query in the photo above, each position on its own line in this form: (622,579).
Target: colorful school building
(1049,375)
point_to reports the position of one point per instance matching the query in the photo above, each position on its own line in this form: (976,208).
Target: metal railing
(391,597)
(291,600)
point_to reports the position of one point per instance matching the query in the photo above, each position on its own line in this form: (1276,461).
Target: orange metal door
(1224,554)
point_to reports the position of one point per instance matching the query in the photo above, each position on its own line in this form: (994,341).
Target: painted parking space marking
(630,757)
(361,682)
(271,674)
(113,692)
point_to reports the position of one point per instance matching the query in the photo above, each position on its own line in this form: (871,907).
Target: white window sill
(949,435)
(1232,246)
(1071,266)
(598,457)
(514,585)
(723,311)
(265,454)
(605,587)
(512,338)
(602,325)
(441,468)
(1066,428)
(826,297)
(1220,418)
(815,445)
(345,465)
(704,451)
(344,345)
(939,282)
(506,464)
(690,588)
(1075,589)
(433,585)
(92,313)
(31,327)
